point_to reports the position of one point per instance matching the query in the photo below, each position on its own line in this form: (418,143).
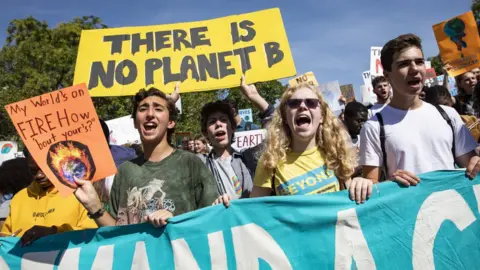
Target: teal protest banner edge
(431,226)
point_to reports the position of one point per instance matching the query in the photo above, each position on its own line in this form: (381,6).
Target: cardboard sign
(223,94)
(308,77)
(452,84)
(62,133)
(438,80)
(246,115)
(331,94)
(122,131)
(459,44)
(204,55)
(348,92)
(367,80)
(376,68)
(8,150)
(366,97)
(248,139)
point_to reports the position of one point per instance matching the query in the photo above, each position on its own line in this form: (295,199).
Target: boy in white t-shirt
(418,138)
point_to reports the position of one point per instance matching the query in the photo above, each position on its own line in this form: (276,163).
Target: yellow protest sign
(205,55)
(308,77)
(459,43)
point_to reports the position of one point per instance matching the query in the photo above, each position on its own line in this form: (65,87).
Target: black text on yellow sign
(204,55)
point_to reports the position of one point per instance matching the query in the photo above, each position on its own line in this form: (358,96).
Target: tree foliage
(192,103)
(437,64)
(36,59)
(476,10)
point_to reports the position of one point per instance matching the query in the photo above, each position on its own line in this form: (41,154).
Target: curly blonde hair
(331,139)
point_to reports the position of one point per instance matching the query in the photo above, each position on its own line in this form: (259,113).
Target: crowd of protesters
(308,150)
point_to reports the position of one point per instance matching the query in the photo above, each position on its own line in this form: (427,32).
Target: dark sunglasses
(311,103)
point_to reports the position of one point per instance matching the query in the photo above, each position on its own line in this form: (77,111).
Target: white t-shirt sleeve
(370,149)
(464,141)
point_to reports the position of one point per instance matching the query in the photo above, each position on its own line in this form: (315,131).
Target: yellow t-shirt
(301,174)
(33,206)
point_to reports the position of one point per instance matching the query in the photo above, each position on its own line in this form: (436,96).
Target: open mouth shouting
(220,135)
(384,93)
(303,121)
(149,127)
(415,83)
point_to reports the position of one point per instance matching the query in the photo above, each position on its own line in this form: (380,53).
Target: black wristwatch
(97,214)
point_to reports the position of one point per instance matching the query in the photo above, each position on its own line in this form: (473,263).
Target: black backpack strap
(382,145)
(274,191)
(449,122)
(248,126)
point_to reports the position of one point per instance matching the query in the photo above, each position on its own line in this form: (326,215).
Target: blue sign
(246,115)
(223,94)
(431,226)
(452,85)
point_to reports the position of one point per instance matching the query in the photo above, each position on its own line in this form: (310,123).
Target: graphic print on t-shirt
(143,201)
(319,180)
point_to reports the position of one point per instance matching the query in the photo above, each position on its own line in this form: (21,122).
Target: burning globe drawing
(70,159)
(455,30)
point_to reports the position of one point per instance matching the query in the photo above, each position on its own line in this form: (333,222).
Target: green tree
(192,103)
(476,10)
(36,59)
(437,64)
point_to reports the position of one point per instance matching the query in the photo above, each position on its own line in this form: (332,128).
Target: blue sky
(330,38)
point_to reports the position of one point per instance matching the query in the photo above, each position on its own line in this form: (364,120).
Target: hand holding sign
(176,93)
(251,92)
(87,196)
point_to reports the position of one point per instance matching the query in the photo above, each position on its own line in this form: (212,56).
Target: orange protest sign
(63,134)
(459,43)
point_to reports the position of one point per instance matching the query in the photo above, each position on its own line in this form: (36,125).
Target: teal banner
(431,226)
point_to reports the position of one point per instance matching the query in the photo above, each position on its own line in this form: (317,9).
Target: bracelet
(97,214)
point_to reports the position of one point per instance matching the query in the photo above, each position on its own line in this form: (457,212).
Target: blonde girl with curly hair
(308,150)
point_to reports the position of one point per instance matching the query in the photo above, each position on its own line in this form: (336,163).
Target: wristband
(97,214)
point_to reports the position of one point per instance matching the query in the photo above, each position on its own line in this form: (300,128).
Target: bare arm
(372,172)
(88,197)
(251,92)
(446,67)
(105,220)
(463,160)
(471,162)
